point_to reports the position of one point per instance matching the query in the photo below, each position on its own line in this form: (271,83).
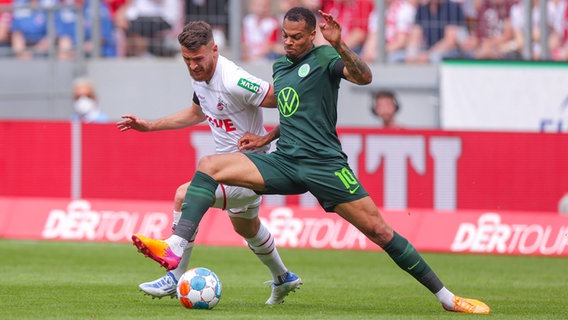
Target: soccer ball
(199,288)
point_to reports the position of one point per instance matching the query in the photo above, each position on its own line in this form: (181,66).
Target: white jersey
(231,103)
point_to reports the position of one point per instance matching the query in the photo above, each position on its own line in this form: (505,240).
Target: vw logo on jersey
(288,101)
(304,70)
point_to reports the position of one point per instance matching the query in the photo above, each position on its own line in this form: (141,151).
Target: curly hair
(297,14)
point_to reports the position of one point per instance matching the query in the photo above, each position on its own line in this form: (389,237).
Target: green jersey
(307,92)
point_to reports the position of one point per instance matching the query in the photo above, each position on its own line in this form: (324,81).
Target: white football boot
(162,287)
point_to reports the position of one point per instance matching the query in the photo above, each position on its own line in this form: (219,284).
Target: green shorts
(331,181)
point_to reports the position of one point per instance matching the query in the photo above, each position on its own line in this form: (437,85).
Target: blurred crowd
(415,31)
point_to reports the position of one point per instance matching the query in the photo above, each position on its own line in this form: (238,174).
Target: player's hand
(330,29)
(133,122)
(250,141)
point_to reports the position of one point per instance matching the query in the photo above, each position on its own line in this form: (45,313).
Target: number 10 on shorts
(348,179)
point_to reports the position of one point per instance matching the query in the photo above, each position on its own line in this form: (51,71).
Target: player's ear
(313,35)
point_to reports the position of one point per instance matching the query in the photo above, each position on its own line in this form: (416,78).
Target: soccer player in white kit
(228,98)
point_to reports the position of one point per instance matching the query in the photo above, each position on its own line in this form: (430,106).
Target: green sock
(409,260)
(200,194)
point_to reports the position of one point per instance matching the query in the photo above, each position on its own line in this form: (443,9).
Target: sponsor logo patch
(250,86)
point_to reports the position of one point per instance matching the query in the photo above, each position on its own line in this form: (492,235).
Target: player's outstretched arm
(355,69)
(131,121)
(182,119)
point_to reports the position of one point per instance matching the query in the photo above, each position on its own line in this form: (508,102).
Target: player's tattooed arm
(356,70)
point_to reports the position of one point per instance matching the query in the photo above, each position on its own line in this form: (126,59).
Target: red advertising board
(440,170)
(35,158)
(470,231)
(134,165)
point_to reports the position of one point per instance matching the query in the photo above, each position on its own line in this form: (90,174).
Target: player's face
(201,62)
(296,38)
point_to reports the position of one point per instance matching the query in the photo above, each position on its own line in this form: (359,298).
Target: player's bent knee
(380,233)
(207,165)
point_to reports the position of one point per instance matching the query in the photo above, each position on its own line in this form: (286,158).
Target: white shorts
(237,201)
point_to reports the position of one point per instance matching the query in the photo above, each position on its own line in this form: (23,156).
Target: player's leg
(184,262)
(261,243)
(178,201)
(245,206)
(364,215)
(247,224)
(166,285)
(337,189)
(234,169)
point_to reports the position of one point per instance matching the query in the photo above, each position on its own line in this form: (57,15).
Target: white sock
(263,247)
(177,216)
(184,262)
(177,244)
(446,297)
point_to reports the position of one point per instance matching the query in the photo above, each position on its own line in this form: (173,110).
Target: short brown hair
(195,35)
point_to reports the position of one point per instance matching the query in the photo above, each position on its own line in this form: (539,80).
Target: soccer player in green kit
(308,156)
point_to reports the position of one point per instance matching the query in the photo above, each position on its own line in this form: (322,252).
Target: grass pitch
(69,280)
